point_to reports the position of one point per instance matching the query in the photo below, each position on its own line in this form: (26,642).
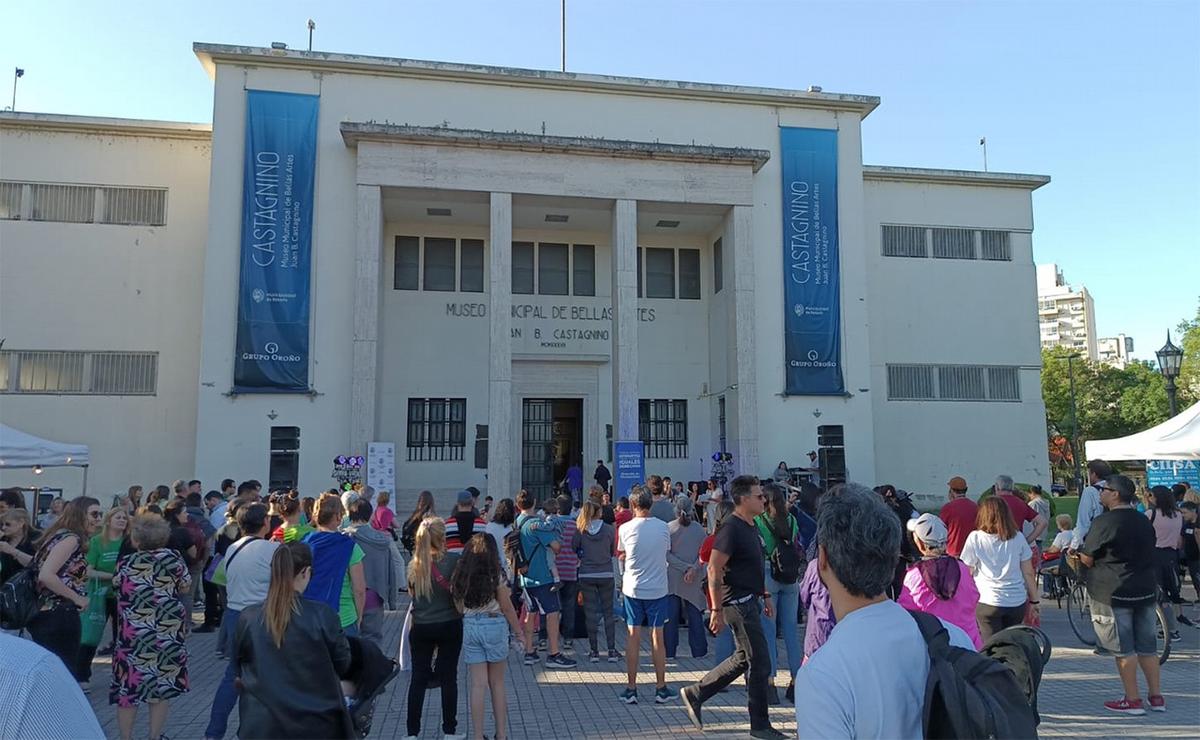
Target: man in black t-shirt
(1119,554)
(1191,544)
(735,583)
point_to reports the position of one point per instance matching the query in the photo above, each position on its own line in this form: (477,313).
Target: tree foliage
(1189,375)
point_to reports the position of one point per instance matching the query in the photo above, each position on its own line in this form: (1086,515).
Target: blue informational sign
(1170,472)
(811,295)
(277,205)
(629,466)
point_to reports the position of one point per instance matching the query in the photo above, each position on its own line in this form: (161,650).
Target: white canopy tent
(1177,438)
(21,450)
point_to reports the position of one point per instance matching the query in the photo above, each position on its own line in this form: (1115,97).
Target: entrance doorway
(551,439)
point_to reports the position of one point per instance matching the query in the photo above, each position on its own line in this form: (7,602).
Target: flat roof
(954,177)
(111,126)
(212,54)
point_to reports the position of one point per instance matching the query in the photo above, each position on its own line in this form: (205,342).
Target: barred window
(954,244)
(662,427)
(79,373)
(437,429)
(953,383)
(67,203)
(10,200)
(134,206)
(995,246)
(904,241)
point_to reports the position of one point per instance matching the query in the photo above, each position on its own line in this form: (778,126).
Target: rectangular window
(67,203)
(406,272)
(910,382)
(689,273)
(662,427)
(718,266)
(583,269)
(904,241)
(437,429)
(554,269)
(471,278)
(660,273)
(439,264)
(995,246)
(1003,384)
(134,206)
(961,383)
(522,268)
(10,200)
(956,244)
(953,383)
(79,373)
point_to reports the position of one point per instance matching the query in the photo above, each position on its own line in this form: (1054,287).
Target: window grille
(904,241)
(910,383)
(662,427)
(66,203)
(1003,384)
(83,204)
(995,246)
(437,429)
(961,383)
(954,244)
(953,383)
(79,373)
(134,206)
(10,200)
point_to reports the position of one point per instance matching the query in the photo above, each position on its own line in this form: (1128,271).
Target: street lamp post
(1170,358)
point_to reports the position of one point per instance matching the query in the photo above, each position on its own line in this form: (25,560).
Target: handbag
(93,619)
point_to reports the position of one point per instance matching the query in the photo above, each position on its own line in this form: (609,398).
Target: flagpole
(564,35)
(983,143)
(18,73)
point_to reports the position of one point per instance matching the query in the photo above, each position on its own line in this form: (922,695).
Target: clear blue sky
(1102,96)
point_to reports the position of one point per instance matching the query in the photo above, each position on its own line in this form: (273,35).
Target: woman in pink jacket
(940,584)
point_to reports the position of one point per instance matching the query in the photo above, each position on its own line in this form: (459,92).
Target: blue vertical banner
(812,297)
(277,205)
(629,466)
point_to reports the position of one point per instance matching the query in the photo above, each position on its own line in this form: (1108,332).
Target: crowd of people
(297,589)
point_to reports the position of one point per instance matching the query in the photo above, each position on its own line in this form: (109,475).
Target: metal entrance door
(537,448)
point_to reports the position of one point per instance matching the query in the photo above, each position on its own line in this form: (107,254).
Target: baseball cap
(465,498)
(958,483)
(929,529)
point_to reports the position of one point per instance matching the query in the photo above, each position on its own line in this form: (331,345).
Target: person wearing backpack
(780,531)
(528,551)
(869,679)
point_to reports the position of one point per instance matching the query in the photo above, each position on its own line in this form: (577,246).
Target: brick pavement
(583,702)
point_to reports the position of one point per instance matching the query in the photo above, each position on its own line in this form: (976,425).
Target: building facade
(1116,351)
(1066,313)
(512,269)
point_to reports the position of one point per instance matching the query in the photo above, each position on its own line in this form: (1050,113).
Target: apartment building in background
(1116,351)
(1066,313)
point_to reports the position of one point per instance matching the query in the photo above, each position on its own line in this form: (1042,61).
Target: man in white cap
(940,584)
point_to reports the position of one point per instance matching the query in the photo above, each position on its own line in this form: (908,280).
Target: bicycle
(1079,613)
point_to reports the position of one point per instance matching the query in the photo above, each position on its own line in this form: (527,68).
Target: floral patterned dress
(150,659)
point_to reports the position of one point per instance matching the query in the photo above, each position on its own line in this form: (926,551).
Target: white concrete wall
(931,311)
(108,287)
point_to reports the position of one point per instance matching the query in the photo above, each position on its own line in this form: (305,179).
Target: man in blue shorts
(541,590)
(642,544)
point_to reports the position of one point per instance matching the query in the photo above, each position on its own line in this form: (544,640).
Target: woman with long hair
(102,553)
(337,578)
(488,616)
(291,654)
(1000,558)
(408,532)
(16,542)
(383,518)
(1167,520)
(437,625)
(150,660)
(778,528)
(292,528)
(596,542)
(503,517)
(62,580)
(134,494)
(308,506)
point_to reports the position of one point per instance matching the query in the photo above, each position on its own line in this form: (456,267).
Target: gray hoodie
(596,547)
(383,567)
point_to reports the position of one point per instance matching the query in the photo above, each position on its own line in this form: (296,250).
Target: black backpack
(785,559)
(19,600)
(516,553)
(1025,651)
(968,694)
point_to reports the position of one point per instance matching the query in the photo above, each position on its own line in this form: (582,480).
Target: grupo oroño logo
(271,348)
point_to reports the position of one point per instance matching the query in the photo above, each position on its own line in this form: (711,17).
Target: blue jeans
(226,697)
(697,630)
(785,600)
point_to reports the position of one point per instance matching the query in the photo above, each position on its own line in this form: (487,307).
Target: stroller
(370,673)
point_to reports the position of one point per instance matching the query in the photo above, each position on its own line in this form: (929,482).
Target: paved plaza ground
(582,702)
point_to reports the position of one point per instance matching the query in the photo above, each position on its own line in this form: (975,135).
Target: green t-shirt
(102,554)
(296,533)
(347,612)
(768,535)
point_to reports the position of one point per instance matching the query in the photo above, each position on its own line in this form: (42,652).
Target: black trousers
(446,639)
(214,604)
(750,655)
(992,619)
(58,630)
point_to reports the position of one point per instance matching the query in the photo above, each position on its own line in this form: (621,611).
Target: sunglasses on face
(95,515)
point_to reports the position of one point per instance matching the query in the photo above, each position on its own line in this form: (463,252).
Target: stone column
(368,241)
(737,237)
(500,404)
(625,321)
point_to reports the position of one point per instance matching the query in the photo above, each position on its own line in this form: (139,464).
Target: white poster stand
(381,467)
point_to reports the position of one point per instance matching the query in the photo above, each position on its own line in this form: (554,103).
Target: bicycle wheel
(1164,635)
(1079,614)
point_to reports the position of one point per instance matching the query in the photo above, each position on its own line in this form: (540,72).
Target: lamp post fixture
(1170,358)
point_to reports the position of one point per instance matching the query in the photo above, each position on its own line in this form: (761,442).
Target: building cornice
(212,54)
(354,132)
(58,123)
(954,177)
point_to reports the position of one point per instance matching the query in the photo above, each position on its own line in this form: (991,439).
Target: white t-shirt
(1062,540)
(645,540)
(996,565)
(248,576)
(841,700)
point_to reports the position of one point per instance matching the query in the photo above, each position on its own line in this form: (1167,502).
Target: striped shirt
(41,699)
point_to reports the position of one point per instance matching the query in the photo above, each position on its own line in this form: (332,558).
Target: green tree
(1189,374)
